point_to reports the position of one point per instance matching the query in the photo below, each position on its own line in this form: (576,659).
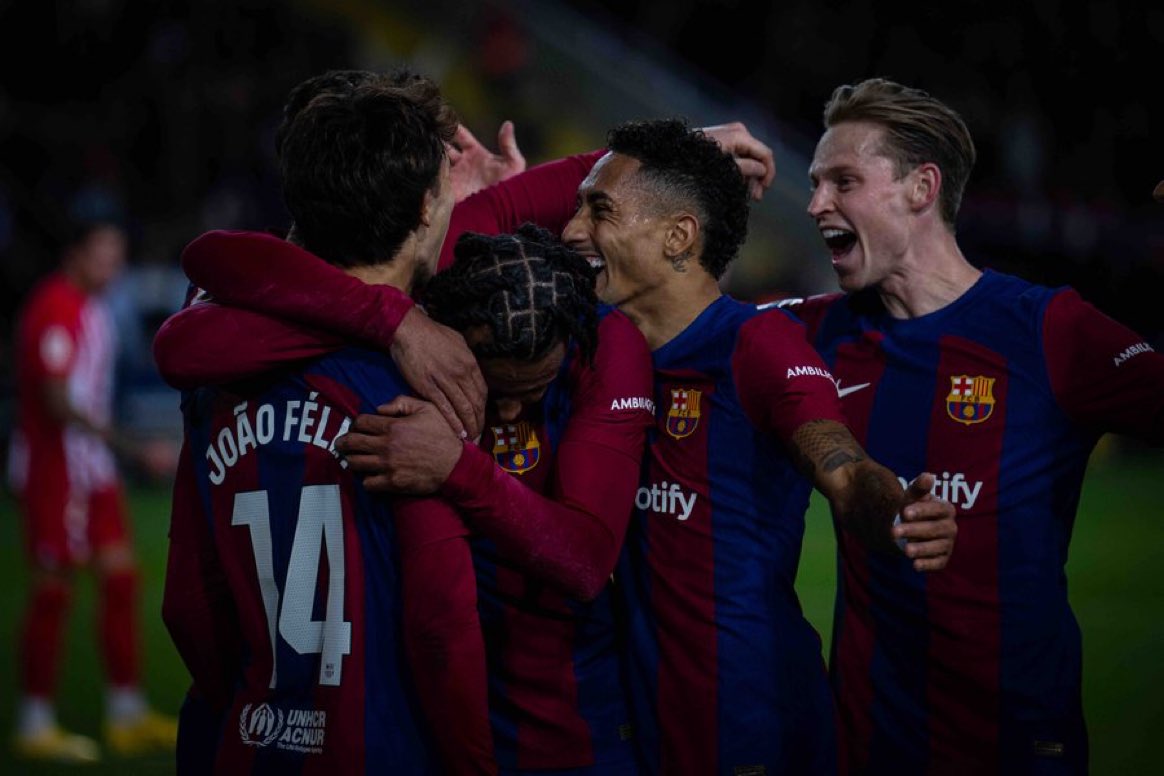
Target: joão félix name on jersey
(309,422)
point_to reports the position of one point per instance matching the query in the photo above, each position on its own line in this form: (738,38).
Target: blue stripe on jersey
(769,672)
(893,579)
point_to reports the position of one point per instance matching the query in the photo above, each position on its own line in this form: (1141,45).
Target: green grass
(81,696)
(1116,583)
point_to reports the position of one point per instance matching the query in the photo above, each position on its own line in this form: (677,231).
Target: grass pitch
(1116,583)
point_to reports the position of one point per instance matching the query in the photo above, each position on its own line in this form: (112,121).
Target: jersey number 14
(320,523)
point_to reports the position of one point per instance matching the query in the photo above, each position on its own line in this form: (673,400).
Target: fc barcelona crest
(683,417)
(515,447)
(971,399)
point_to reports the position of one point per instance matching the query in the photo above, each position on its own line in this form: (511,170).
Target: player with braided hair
(546,492)
(548,489)
(530,315)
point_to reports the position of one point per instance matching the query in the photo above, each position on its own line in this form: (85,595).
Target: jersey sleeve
(263,273)
(545,194)
(571,537)
(1105,376)
(51,329)
(197,605)
(212,344)
(442,632)
(781,381)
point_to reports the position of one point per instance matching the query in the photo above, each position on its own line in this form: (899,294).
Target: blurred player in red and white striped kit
(64,472)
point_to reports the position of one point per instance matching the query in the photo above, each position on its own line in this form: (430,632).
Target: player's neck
(663,315)
(397,274)
(928,277)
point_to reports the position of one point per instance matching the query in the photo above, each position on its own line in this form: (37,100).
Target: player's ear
(925,183)
(682,235)
(427,207)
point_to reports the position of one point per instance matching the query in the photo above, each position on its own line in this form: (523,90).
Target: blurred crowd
(161,115)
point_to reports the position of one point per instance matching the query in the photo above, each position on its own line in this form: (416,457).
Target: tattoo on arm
(825,445)
(837,459)
(866,498)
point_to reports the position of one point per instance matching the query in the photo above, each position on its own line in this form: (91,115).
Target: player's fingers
(466,391)
(929,509)
(464,139)
(929,549)
(371,424)
(377,483)
(927,530)
(448,410)
(401,406)
(507,145)
(750,169)
(366,464)
(920,486)
(355,444)
(931,564)
(378,442)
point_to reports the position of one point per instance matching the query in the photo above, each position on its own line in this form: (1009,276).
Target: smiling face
(861,206)
(614,230)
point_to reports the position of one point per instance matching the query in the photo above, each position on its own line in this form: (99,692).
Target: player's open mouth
(597,263)
(840,241)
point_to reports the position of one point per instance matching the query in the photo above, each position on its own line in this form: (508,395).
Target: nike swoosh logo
(843,392)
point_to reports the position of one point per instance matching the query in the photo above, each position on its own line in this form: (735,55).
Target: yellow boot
(148,733)
(56,745)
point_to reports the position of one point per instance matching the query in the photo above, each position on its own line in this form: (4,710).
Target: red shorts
(65,527)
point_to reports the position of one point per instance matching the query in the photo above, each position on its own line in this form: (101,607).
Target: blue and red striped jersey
(283,592)
(1002,394)
(726,674)
(557,699)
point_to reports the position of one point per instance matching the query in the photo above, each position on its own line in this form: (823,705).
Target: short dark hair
(356,165)
(333,81)
(684,165)
(918,129)
(531,290)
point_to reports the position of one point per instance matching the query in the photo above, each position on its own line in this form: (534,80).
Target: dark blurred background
(162,113)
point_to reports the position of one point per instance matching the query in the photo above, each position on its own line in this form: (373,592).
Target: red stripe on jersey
(682,587)
(859,362)
(238,562)
(963,600)
(551,731)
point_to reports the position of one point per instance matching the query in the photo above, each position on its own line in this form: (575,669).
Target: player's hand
(439,366)
(927,526)
(755,159)
(407,447)
(475,167)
